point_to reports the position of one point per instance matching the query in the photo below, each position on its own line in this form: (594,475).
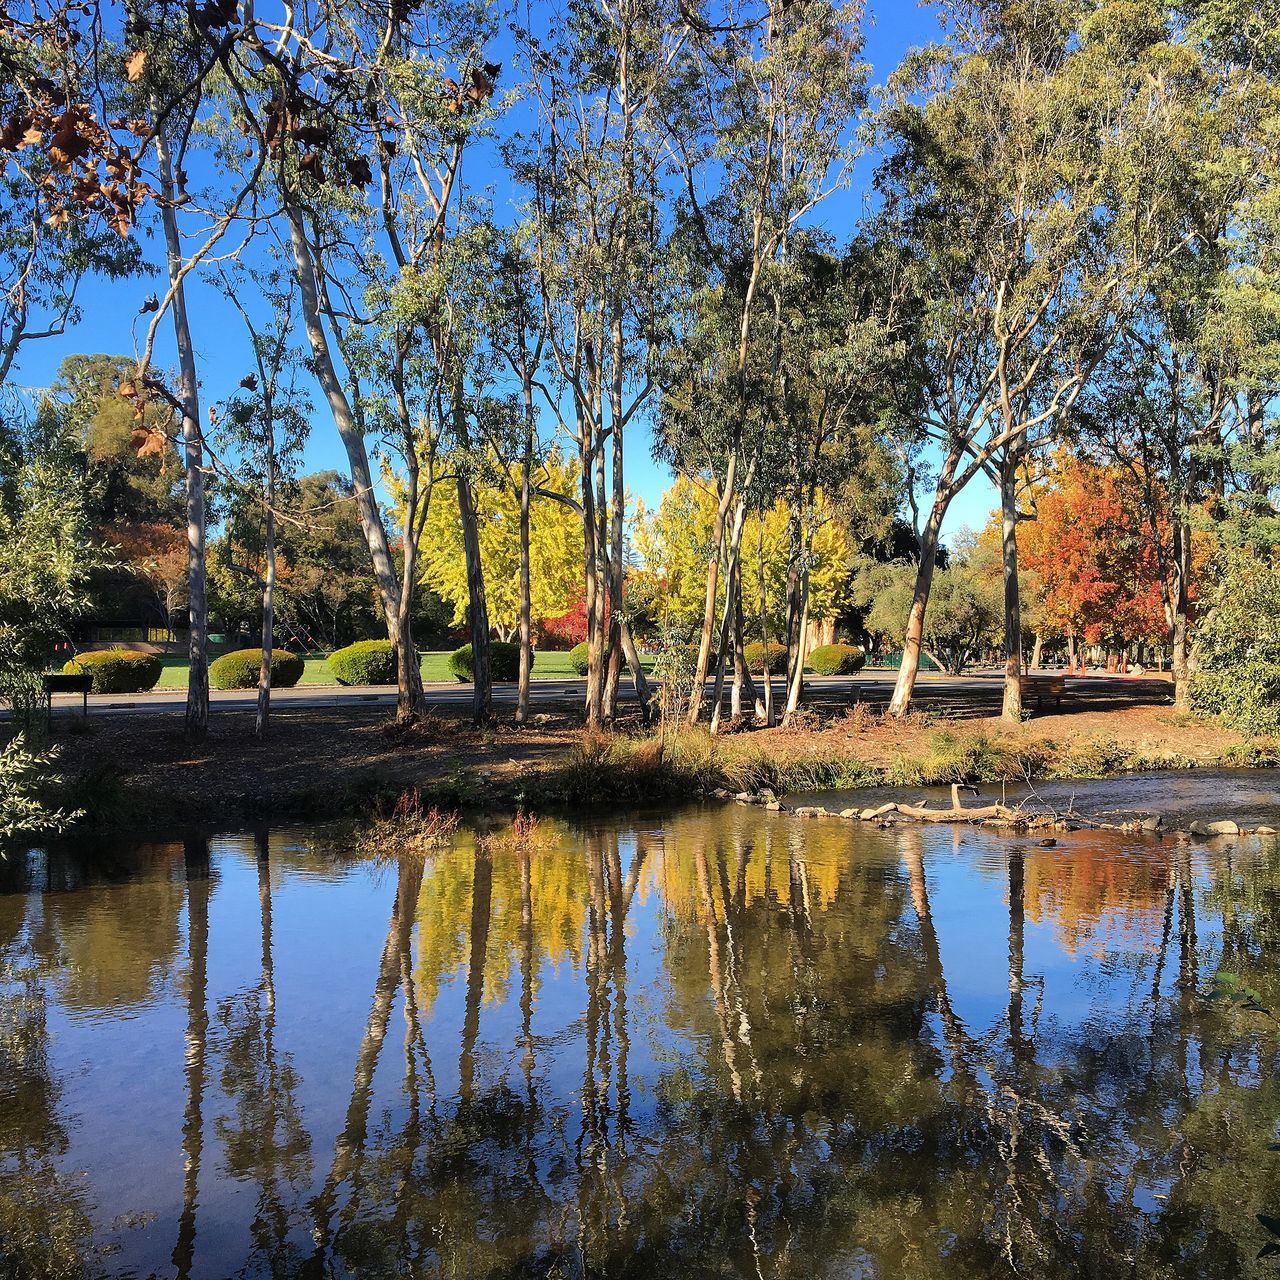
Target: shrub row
(117,670)
(239,670)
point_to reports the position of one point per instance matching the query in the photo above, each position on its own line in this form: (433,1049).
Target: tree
(555,549)
(1008,150)
(335,97)
(1098,569)
(762,142)
(591,171)
(47,555)
(168,88)
(326,595)
(157,555)
(127,487)
(963,620)
(68,191)
(267,422)
(1238,676)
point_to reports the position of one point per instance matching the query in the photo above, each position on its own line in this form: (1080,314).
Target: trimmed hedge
(239,670)
(365,662)
(117,670)
(578,658)
(504,662)
(777,658)
(837,659)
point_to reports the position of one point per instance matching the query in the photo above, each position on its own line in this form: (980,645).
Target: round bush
(504,662)
(239,670)
(117,670)
(777,658)
(837,659)
(578,658)
(365,662)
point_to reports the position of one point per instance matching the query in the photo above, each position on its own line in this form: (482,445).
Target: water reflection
(728,1043)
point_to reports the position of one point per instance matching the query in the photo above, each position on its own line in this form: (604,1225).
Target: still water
(718,1043)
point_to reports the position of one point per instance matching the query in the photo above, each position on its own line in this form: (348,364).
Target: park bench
(1042,688)
(64,682)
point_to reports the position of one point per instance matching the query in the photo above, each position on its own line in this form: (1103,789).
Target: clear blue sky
(893,27)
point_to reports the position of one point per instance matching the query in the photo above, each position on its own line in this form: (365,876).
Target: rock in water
(1225,827)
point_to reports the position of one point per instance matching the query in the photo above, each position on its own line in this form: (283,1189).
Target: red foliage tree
(1099,572)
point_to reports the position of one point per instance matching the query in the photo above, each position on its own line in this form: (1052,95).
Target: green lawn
(435,666)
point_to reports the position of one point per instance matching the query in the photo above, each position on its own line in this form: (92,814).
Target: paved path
(974,694)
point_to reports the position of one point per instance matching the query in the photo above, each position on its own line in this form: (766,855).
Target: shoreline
(319,764)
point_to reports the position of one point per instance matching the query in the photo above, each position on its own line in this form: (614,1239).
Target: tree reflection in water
(729,1043)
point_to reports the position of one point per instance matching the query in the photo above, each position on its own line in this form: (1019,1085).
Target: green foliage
(365,662)
(504,662)
(240,670)
(117,670)
(964,614)
(578,658)
(47,551)
(777,658)
(1238,678)
(837,659)
(24,777)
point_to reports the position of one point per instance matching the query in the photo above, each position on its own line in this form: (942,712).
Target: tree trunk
(526,604)
(197,713)
(1181,637)
(593,588)
(1012,602)
(726,619)
(1037,652)
(914,639)
(795,680)
(698,694)
(766,678)
(268,607)
(409,702)
(481,669)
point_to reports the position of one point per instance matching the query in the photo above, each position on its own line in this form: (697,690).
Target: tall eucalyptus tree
(764,135)
(590,169)
(1008,149)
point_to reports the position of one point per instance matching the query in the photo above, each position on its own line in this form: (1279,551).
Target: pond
(719,1042)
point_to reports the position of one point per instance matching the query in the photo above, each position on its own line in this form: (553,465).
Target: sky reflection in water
(723,1042)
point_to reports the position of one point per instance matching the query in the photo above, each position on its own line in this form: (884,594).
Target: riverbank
(325,762)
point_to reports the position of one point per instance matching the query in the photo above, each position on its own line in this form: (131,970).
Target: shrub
(578,658)
(239,670)
(1238,678)
(777,658)
(1245,695)
(117,670)
(504,662)
(365,662)
(837,659)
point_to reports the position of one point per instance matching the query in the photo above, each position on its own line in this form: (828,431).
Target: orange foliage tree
(157,554)
(1098,573)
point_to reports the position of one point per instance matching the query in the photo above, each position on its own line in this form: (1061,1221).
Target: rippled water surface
(720,1043)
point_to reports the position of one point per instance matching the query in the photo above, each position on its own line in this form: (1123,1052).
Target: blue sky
(893,27)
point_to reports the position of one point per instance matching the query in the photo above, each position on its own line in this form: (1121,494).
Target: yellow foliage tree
(674,542)
(555,548)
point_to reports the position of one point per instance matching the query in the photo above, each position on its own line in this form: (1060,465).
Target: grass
(435,667)
(603,769)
